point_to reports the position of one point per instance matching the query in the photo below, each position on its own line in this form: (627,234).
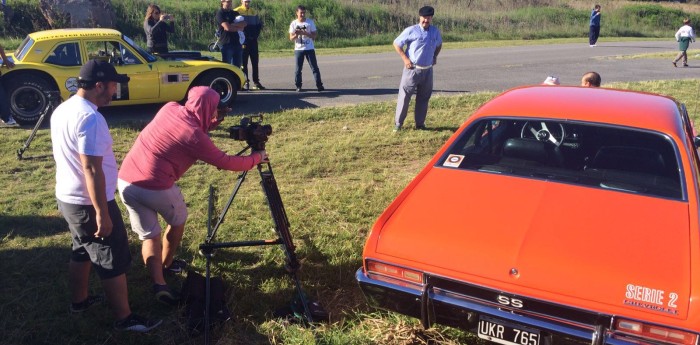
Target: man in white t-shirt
(303,32)
(86,180)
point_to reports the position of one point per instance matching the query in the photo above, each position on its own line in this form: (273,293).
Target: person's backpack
(194,295)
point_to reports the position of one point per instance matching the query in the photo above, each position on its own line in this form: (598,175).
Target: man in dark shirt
(231,49)
(250,47)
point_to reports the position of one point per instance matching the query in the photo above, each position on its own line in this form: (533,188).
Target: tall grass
(344,23)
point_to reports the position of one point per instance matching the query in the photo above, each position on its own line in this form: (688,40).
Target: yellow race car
(48,63)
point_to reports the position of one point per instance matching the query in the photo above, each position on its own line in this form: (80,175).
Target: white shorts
(144,206)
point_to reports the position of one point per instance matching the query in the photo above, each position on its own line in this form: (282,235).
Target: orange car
(554,215)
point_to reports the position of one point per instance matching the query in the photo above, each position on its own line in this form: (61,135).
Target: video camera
(252,131)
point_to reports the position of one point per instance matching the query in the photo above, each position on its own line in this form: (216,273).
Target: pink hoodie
(174,140)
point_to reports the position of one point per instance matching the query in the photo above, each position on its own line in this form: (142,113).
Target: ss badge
(508,301)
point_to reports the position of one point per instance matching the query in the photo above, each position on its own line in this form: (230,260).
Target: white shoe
(10,122)
(592,45)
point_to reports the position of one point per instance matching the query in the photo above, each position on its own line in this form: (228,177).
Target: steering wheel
(552,132)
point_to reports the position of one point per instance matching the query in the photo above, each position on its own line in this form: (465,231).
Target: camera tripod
(284,237)
(51,97)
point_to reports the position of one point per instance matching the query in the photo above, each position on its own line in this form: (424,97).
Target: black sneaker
(258,86)
(421,128)
(321,88)
(165,295)
(136,323)
(177,266)
(88,303)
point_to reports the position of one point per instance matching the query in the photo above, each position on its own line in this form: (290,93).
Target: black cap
(100,70)
(426,11)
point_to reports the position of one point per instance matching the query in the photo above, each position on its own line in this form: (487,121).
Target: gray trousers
(419,82)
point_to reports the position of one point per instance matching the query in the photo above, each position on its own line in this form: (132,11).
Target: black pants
(251,51)
(593,34)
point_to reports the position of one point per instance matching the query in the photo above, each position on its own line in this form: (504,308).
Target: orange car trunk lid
(557,241)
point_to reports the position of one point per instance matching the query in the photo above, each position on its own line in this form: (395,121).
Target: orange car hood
(572,244)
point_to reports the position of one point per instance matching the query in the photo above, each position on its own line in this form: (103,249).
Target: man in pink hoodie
(169,145)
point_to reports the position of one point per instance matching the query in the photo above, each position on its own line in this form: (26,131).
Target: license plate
(502,332)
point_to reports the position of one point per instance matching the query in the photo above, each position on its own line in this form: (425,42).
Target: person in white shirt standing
(684,36)
(86,180)
(303,32)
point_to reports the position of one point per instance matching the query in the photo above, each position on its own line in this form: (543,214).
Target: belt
(423,67)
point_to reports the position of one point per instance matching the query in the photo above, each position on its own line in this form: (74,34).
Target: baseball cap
(426,11)
(99,70)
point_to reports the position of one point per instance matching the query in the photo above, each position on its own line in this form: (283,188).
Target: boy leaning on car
(5,115)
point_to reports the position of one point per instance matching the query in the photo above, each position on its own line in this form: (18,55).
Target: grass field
(337,169)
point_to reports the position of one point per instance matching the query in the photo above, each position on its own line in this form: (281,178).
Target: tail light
(654,332)
(394,274)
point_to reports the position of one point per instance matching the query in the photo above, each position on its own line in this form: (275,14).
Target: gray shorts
(144,206)
(109,256)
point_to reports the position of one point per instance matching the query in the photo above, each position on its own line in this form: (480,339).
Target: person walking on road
(86,180)
(684,36)
(419,46)
(594,29)
(303,32)
(250,48)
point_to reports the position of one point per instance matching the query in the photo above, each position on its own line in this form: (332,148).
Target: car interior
(592,154)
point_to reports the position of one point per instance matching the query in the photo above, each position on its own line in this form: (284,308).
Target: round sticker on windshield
(453,161)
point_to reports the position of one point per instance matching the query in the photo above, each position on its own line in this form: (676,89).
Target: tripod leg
(279,216)
(24,147)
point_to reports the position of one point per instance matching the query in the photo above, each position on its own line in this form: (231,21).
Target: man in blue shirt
(422,44)
(595,26)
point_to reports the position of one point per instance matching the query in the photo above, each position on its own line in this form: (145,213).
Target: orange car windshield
(591,154)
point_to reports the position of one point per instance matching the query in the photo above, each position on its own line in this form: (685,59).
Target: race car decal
(453,161)
(72,85)
(122,93)
(170,78)
(652,299)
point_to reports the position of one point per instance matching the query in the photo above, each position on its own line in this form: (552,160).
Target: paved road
(352,79)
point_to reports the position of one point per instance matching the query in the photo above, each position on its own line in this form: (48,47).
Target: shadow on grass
(31,226)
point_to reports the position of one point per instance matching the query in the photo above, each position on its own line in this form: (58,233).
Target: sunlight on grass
(337,169)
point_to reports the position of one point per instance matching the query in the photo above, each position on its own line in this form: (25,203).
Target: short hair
(592,78)
(301,8)
(86,85)
(686,21)
(596,6)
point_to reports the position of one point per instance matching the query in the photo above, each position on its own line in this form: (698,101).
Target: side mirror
(696,141)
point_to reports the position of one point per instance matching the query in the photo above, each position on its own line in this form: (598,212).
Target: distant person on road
(422,43)
(157,25)
(231,47)
(250,48)
(171,143)
(86,179)
(594,28)
(5,113)
(684,36)
(303,32)
(591,79)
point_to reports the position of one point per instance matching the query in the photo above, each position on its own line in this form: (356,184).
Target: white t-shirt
(241,34)
(303,42)
(78,128)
